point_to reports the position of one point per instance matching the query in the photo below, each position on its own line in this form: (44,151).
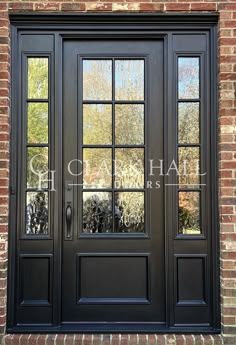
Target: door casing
(63,26)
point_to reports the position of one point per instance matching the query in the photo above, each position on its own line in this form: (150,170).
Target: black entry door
(113,241)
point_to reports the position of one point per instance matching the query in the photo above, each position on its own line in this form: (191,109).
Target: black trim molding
(56,28)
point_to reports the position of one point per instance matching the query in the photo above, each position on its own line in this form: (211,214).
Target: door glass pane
(188,119)
(129,80)
(97,168)
(189,213)
(129,212)
(97,80)
(97,212)
(189,158)
(129,124)
(38,78)
(37,123)
(188,77)
(97,124)
(36,213)
(37,167)
(129,168)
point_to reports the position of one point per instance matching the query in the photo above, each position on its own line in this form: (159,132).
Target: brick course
(227,163)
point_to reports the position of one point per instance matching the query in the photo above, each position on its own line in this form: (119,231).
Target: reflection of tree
(189,156)
(128,216)
(37,119)
(37,123)
(38,78)
(97,213)
(189,217)
(188,78)
(37,213)
(188,133)
(37,164)
(129,212)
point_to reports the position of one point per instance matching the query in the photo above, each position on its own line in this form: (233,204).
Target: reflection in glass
(188,118)
(37,123)
(37,167)
(189,213)
(36,213)
(129,124)
(129,212)
(129,80)
(97,124)
(38,77)
(97,212)
(189,162)
(97,168)
(129,168)
(188,77)
(97,80)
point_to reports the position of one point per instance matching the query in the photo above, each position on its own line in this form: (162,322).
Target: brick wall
(227,164)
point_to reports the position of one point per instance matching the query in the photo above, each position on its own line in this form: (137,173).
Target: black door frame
(133,26)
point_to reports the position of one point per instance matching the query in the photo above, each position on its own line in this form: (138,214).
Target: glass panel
(189,162)
(97,168)
(38,77)
(97,80)
(188,117)
(129,127)
(188,77)
(129,212)
(37,123)
(37,167)
(129,80)
(97,124)
(189,213)
(36,213)
(97,212)
(129,168)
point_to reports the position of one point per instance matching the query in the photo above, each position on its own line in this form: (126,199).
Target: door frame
(145,26)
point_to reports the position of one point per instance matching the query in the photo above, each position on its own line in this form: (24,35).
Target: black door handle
(68,220)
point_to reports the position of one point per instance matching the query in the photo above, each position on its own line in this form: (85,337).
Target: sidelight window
(37,105)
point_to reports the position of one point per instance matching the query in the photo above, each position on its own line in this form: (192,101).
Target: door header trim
(150,19)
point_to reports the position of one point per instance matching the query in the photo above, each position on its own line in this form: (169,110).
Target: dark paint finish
(54,308)
(109,249)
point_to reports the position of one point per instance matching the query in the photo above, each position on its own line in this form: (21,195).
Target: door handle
(68,221)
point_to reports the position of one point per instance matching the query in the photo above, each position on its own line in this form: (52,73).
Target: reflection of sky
(129,75)
(188,77)
(129,71)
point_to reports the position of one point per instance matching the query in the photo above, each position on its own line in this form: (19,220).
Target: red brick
(189,340)
(225,6)
(78,339)
(152,338)
(124,339)
(73,6)
(41,340)
(42,6)
(97,339)
(96,6)
(161,339)
(115,339)
(21,6)
(177,7)
(133,340)
(203,7)
(33,339)
(151,7)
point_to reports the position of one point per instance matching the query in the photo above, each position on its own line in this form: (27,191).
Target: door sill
(113,328)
